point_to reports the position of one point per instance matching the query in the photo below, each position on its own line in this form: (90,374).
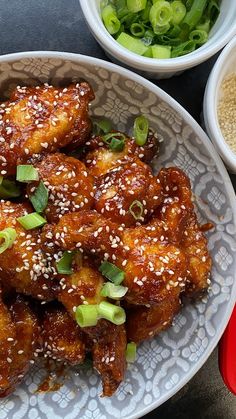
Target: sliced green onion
(8,235)
(136,210)
(64,265)
(86,315)
(131,350)
(135,6)
(111,312)
(113,291)
(115,140)
(213,10)
(110,19)
(26,173)
(39,199)
(9,189)
(183,49)
(160,15)
(204,25)
(111,272)
(133,44)
(148,53)
(137,29)
(161,51)
(101,127)
(198,36)
(31,221)
(178,11)
(141,128)
(194,15)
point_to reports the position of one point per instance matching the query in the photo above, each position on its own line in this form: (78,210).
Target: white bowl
(221,33)
(166,363)
(225,65)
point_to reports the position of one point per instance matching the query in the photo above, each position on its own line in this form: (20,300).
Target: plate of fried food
(117,241)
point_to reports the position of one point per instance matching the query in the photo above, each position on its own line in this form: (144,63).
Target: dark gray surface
(59,25)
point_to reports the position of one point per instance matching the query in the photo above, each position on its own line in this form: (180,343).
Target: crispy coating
(146,322)
(40,120)
(177,205)
(19,334)
(154,268)
(118,191)
(100,159)
(62,337)
(25,266)
(83,286)
(199,261)
(108,352)
(68,182)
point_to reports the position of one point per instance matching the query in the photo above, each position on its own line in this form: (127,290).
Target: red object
(227,354)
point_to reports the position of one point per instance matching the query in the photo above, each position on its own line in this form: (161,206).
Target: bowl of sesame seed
(220,105)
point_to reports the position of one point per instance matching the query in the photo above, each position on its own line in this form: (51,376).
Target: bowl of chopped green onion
(160,38)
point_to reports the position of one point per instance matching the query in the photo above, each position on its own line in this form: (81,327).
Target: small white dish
(221,33)
(225,65)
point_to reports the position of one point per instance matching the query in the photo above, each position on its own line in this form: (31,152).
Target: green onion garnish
(141,128)
(26,173)
(137,29)
(101,127)
(115,140)
(160,15)
(31,221)
(9,189)
(8,235)
(136,210)
(39,199)
(133,44)
(113,291)
(135,6)
(178,11)
(161,51)
(111,312)
(64,265)
(86,315)
(110,19)
(131,352)
(111,272)
(198,36)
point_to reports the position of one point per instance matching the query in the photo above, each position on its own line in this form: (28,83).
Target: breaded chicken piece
(154,268)
(19,335)
(128,194)
(108,352)
(69,185)
(100,158)
(199,261)
(40,120)
(62,337)
(83,286)
(25,266)
(145,322)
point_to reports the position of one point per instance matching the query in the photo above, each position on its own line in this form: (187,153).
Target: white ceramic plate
(168,362)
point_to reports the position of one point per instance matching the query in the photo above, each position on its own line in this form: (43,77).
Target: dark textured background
(59,25)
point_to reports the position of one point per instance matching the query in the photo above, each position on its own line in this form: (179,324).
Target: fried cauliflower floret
(25,267)
(146,322)
(69,185)
(62,337)
(83,286)
(154,268)
(128,194)
(199,261)
(40,120)
(100,159)
(177,206)
(19,334)
(108,352)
